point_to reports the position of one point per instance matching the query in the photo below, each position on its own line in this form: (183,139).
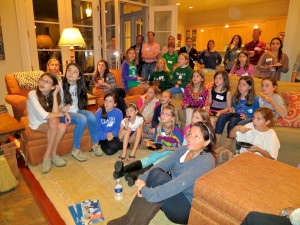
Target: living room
(18,58)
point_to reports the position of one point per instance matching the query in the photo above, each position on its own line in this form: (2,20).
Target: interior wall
(238,14)
(13,60)
(181,25)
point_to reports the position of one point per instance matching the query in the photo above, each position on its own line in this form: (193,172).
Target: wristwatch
(284,212)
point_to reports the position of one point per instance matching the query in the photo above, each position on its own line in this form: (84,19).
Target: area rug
(80,181)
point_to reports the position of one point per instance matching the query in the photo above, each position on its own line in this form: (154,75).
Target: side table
(8,162)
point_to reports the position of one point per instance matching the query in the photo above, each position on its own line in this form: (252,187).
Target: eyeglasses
(165,114)
(45,81)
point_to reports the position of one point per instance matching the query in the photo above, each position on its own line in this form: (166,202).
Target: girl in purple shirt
(243,67)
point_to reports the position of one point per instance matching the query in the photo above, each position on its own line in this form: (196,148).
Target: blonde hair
(166,69)
(186,56)
(53,60)
(172,109)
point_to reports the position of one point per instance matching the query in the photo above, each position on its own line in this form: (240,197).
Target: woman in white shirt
(43,114)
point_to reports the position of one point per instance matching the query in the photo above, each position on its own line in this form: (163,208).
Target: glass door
(163,21)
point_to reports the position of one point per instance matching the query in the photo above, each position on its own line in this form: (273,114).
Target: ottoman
(246,183)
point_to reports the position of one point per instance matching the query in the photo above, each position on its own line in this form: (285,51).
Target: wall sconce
(44,41)
(71,37)
(88,12)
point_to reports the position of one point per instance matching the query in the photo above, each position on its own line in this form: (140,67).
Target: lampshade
(71,37)
(44,41)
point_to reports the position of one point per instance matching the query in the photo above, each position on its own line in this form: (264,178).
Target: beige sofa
(289,136)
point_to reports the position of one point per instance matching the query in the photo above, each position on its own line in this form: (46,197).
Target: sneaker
(46,167)
(58,161)
(97,150)
(79,155)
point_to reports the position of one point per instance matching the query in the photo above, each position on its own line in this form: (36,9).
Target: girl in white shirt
(43,115)
(258,133)
(131,131)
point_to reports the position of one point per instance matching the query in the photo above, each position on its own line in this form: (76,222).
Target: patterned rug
(79,181)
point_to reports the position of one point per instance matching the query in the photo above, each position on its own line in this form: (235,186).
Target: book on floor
(86,212)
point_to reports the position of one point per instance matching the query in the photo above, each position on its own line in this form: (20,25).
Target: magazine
(86,212)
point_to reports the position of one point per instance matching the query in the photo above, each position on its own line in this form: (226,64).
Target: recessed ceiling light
(190,7)
(256,26)
(226,26)
(202,30)
(178,3)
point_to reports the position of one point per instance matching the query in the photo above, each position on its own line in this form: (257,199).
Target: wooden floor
(27,204)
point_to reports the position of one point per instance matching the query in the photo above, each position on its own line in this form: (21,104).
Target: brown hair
(208,134)
(251,93)
(238,63)
(225,77)
(126,54)
(204,114)
(96,72)
(273,81)
(192,85)
(47,101)
(267,115)
(104,113)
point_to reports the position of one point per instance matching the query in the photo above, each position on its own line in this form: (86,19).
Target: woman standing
(271,64)
(231,54)
(157,189)
(209,58)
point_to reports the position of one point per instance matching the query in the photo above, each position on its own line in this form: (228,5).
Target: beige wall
(13,60)
(242,13)
(181,27)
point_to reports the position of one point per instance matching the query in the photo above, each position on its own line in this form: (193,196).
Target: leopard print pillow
(29,80)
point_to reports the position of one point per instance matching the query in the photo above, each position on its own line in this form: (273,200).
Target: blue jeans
(176,208)
(81,118)
(175,90)
(223,119)
(153,157)
(147,69)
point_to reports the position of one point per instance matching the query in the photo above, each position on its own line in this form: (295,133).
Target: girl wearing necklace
(173,194)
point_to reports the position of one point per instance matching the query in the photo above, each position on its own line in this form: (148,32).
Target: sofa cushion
(292,100)
(29,80)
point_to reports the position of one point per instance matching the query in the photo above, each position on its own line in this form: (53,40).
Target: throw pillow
(29,80)
(292,100)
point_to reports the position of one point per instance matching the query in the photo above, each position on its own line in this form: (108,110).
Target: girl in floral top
(195,95)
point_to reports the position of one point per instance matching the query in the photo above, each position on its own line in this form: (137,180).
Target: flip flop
(130,158)
(122,159)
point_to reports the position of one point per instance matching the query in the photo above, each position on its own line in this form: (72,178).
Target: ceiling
(209,5)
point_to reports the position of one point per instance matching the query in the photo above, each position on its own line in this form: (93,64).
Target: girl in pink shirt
(243,67)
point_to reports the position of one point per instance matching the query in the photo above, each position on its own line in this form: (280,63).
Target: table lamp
(71,37)
(44,41)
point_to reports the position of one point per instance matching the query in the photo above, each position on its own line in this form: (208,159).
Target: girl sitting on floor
(108,119)
(167,133)
(43,115)
(147,104)
(199,115)
(131,131)
(258,133)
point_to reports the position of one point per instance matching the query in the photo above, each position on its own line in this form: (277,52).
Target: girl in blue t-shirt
(108,119)
(244,103)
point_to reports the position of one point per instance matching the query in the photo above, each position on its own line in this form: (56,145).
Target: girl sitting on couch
(262,138)
(44,114)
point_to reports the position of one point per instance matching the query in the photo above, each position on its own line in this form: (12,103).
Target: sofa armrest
(18,103)
(135,91)
(99,93)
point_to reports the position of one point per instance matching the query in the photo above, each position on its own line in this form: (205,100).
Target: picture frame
(2,52)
